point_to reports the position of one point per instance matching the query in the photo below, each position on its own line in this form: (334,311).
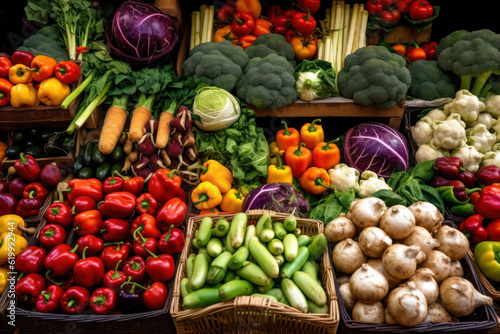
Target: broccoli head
(274,42)
(372,75)
(429,82)
(267,82)
(221,64)
(473,56)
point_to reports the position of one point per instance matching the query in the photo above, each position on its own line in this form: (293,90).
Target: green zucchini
(86,172)
(117,154)
(87,151)
(97,157)
(102,171)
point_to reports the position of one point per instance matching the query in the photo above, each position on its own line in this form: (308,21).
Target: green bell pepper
(487,256)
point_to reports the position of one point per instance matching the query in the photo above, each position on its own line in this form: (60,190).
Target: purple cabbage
(376,147)
(279,197)
(140,33)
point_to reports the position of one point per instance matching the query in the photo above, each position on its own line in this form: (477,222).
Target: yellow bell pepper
(53,91)
(18,74)
(232,201)
(279,173)
(14,224)
(216,173)
(273,151)
(312,134)
(206,196)
(3,279)
(22,95)
(20,244)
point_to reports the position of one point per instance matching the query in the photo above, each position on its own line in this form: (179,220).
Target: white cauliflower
(422,131)
(481,138)
(471,157)
(426,152)
(370,183)
(484,118)
(343,177)
(491,158)
(466,104)
(437,115)
(448,134)
(492,104)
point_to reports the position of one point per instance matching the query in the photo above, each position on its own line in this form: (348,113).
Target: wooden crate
(336,107)
(400,34)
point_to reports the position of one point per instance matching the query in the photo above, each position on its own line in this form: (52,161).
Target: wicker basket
(488,286)
(483,319)
(249,314)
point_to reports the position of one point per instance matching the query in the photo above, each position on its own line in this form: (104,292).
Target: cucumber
(253,273)
(97,157)
(289,268)
(237,230)
(310,287)
(238,258)
(303,240)
(221,228)
(116,167)
(291,247)
(279,230)
(190,264)
(290,223)
(78,164)
(200,270)
(214,247)
(294,295)
(218,268)
(117,154)
(264,258)
(102,171)
(261,295)
(275,246)
(264,289)
(233,289)
(204,231)
(201,298)
(87,151)
(34,151)
(86,173)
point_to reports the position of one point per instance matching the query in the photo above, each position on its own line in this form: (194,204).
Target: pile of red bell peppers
(27,187)
(122,259)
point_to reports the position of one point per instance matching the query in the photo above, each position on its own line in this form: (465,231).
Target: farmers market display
(163,196)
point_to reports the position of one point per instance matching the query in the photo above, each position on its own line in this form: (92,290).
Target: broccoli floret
(39,44)
(267,82)
(220,64)
(429,82)
(473,56)
(277,43)
(260,50)
(373,75)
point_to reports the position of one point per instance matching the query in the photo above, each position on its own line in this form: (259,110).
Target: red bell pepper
(225,13)
(310,5)
(135,268)
(27,167)
(374,7)
(60,213)
(113,279)
(172,212)
(8,203)
(280,24)
(160,268)
(488,203)
(146,203)
(242,24)
(467,178)
(35,190)
(246,40)
(22,57)
(181,194)
(144,246)
(488,175)
(146,224)
(5,88)
(304,23)
(67,71)
(473,229)
(421,10)
(30,260)
(88,271)
(112,254)
(88,222)
(83,203)
(155,296)
(52,235)
(85,187)
(134,185)
(68,282)
(120,204)
(60,261)
(103,301)
(5,64)
(273,11)
(93,244)
(75,300)
(430,50)
(448,166)
(49,300)
(164,184)
(493,230)
(27,207)
(113,184)
(29,287)
(115,229)
(262,27)
(16,187)
(171,242)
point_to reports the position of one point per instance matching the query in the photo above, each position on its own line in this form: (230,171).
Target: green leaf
(424,170)
(390,198)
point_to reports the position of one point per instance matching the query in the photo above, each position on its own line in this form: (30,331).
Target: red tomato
(388,3)
(400,49)
(396,14)
(416,54)
(388,16)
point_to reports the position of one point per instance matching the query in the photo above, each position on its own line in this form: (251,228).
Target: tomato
(388,16)
(416,54)
(400,49)
(396,14)
(388,3)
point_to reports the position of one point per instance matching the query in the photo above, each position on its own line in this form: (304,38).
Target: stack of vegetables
(29,188)
(271,260)
(414,259)
(27,80)
(123,257)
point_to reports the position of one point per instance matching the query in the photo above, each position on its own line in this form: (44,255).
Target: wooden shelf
(337,107)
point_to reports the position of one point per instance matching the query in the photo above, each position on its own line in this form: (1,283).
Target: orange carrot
(113,125)
(140,116)
(163,129)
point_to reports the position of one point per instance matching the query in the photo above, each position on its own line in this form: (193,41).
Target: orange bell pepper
(226,34)
(305,48)
(298,158)
(43,67)
(315,180)
(326,155)
(3,148)
(252,7)
(287,137)
(261,27)
(212,211)
(246,41)
(312,134)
